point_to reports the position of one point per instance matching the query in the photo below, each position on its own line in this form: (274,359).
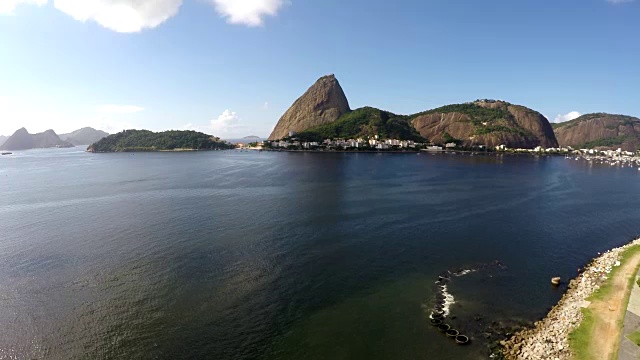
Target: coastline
(549,338)
(463,152)
(153,151)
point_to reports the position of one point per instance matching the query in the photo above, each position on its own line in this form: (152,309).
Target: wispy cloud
(619,1)
(130,16)
(567,117)
(119,109)
(248,12)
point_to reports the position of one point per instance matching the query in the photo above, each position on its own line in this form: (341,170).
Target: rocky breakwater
(549,339)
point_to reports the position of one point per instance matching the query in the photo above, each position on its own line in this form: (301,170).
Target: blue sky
(232,67)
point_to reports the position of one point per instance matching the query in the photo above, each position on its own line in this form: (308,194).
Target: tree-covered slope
(363,122)
(144,140)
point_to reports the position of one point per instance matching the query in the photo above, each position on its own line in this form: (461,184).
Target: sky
(231,68)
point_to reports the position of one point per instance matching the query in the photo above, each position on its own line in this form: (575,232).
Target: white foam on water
(463,272)
(448,301)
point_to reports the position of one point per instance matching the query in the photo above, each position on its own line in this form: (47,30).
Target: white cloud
(8,7)
(227,126)
(121,15)
(567,117)
(248,12)
(129,16)
(225,122)
(119,109)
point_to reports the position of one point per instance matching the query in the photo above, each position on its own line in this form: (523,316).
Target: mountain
(3,139)
(486,122)
(323,112)
(323,103)
(600,130)
(144,140)
(84,136)
(22,140)
(363,122)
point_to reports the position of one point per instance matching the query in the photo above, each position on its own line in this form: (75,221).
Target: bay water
(268,255)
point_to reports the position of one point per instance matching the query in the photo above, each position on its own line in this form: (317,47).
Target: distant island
(23,140)
(145,140)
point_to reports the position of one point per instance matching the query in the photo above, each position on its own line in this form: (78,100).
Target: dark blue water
(247,255)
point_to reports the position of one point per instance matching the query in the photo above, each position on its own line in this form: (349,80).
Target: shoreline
(549,338)
(464,152)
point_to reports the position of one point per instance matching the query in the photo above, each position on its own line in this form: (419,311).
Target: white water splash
(448,301)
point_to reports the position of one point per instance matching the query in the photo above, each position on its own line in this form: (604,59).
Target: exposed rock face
(323,103)
(22,140)
(500,124)
(84,136)
(600,131)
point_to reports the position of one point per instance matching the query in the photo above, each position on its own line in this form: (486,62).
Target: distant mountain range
(3,139)
(23,140)
(84,136)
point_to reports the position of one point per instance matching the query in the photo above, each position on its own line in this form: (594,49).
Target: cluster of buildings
(374,143)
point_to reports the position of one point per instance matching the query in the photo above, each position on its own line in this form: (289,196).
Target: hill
(22,140)
(486,122)
(600,130)
(84,136)
(144,140)
(366,121)
(3,139)
(324,102)
(323,112)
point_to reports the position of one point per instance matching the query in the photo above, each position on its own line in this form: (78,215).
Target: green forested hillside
(144,140)
(366,121)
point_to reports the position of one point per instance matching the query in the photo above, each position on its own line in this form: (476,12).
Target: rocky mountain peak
(324,102)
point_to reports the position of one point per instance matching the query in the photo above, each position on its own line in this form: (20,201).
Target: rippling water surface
(247,255)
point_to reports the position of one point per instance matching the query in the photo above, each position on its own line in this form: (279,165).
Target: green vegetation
(635,337)
(363,122)
(144,140)
(478,114)
(580,339)
(449,139)
(607,287)
(606,142)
